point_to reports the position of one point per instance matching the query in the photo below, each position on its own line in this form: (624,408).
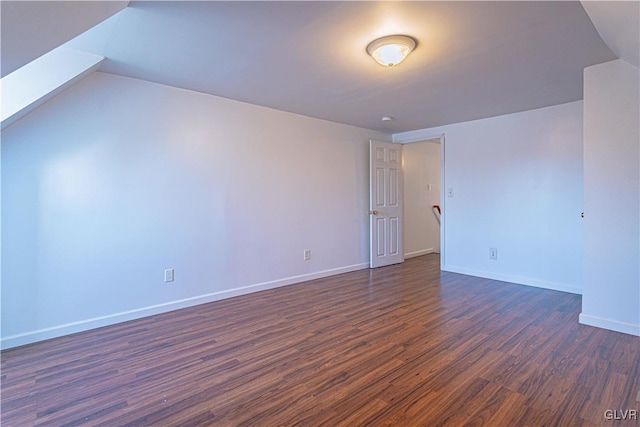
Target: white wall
(611,295)
(421,162)
(517,186)
(116,179)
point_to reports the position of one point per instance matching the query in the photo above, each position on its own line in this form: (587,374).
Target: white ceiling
(32,28)
(618,23)
(473,60)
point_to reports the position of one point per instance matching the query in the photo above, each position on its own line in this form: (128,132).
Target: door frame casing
(443,185)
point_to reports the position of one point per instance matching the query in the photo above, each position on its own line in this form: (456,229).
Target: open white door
(385,204)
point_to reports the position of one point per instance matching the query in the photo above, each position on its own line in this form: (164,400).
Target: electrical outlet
(449,192)
(168,275)
(307,254)
(493,253)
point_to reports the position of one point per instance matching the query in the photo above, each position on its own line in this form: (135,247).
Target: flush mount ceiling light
(391,50)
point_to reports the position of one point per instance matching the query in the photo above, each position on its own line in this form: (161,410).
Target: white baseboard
(97,322)
(418,253)
(610,324)
(519,280)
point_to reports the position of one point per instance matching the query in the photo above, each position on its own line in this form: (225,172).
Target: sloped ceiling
(32,28)
(618,23)
(473,60)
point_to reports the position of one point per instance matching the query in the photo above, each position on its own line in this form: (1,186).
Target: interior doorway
(422,165)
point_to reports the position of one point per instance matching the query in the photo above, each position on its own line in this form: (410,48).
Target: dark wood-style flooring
(400,345)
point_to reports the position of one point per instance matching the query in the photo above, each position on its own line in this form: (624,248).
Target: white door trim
(443,185)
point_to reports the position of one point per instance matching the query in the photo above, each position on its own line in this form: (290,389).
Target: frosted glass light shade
(391,50)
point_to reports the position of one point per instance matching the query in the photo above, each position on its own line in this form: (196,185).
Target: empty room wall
(516,185)
(611,297)
(116,179)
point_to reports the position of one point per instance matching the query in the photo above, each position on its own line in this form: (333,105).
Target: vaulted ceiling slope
(32,28)
(473,59)
(618,23)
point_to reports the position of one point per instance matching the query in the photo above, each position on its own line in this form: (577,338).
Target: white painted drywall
(40,80)
(516,182)
(611,291)
(421,162)
(618,24)
(116,179)
(32,28)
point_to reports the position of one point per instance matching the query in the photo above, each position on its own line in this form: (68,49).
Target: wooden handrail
(438,208)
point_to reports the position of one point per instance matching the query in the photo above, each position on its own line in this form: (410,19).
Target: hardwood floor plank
(400,345)
(502,408)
